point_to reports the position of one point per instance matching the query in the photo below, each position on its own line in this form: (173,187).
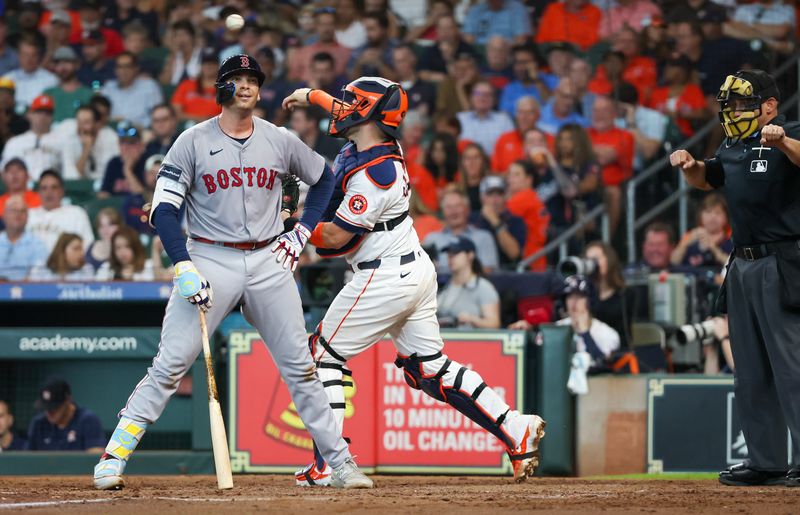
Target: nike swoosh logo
(213,152)
(403,275)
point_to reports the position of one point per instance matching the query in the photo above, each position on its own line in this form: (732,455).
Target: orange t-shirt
(509,148)
(193,103)
(641,73)
(423,184)
(31,199)
(426,224)
(581,28)
(527,205)
(619,171)
(691,97)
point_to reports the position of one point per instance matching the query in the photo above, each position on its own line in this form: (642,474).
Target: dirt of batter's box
(393,494)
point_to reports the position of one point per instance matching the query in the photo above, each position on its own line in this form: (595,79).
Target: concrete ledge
(31,463)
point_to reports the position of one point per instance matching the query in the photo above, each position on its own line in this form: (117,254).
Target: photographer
(467,300)
(615,304)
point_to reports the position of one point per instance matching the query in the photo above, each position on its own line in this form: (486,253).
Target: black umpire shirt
(762,187)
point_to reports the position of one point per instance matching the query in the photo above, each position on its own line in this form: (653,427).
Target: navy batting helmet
(240,63)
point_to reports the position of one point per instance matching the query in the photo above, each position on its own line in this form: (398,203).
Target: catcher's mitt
(291,194)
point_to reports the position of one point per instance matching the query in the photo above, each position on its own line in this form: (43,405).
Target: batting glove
(192,286)
(290,246)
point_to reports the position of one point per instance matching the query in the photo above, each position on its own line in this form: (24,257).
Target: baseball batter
(228,170)
(393,289)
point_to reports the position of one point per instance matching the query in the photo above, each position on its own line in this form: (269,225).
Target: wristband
(499,228)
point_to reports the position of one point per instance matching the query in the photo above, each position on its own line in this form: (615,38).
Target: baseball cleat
(347,475)
(313,476)
(525,458)
(108,473)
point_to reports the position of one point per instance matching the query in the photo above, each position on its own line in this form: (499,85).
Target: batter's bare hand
(683,159)
(298,98)
(772,135)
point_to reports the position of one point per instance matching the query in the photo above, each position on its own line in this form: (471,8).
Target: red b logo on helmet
(245,62)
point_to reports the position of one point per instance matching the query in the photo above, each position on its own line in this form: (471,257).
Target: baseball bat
(219,441)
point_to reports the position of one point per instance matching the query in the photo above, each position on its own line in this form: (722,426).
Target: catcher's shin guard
(124,439)
(464,390)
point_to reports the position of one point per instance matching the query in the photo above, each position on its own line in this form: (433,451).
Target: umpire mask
(740,98)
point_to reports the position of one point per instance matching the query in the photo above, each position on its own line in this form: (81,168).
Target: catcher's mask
(370,98)
(740,98)
(235,64)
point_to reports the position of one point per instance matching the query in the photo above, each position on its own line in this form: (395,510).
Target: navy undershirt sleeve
(168,227)
(317,199)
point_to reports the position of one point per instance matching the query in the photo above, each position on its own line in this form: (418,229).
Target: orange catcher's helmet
(370,99)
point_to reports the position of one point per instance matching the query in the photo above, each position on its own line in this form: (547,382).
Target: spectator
(396,24)
(15,179)
(274,89)
(39,147)
(498,68)
(128,260)
(655,42)
(20,250)
(350,32)
(658,245)
(9,59)
(678,98)
(474,167)
(481,123)
(421,94)
(306,123)
(196,98)
(67,262)
(718,54)
(508,230)
(609,80)
(455,211)
(91,18)
(635,14)
(580,73)
(64,426)
(424,29)
(374,58)
(561,109)
(184,59)
(132,96)
(14,124)
(721,343)
(70,93)
(615,304)
(136,40)
(509,147)
(96,69)
(437,59)
(48,221)
(88,150)
(125,172)
(689,10)
(121,13)
(106,223)
(559,59)
(554,188)
(137,199)
(526,204)
(590,334)
(572,21)
(323,75)
(441,159)
(31,79)
(325,29)
(164,124)
(414,125)
(527,80)
(249,41)
(424,221)
(575,156)
(9,440)
(467,300)
(58,28)
(614,150)
(453,93)
(709,244)
(772,22)
(507,18)
(639,70)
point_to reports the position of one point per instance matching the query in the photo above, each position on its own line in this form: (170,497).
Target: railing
(632,224)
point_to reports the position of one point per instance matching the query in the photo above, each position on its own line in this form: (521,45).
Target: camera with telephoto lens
(693,332)
(574,265)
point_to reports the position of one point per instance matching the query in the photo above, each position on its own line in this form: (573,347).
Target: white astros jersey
(367,203)
(233,189)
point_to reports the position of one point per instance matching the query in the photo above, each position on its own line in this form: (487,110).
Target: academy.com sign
(88,345)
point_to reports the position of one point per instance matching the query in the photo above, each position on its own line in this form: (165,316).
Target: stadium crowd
(524,115)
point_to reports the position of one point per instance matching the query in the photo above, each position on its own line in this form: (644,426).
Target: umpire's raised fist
(682,158)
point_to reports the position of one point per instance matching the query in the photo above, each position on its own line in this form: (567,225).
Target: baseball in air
(234,22)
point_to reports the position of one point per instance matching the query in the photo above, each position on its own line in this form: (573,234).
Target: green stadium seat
(80,191)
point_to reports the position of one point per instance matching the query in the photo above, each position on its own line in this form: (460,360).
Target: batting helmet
(370,98)
(240,63)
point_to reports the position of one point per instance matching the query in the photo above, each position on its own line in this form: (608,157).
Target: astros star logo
(358,204)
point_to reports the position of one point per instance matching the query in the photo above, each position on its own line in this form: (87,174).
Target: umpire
(758,170)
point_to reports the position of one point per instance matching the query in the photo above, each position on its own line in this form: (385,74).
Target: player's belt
(375,263)
(243,245)
(766,249)
(391,224)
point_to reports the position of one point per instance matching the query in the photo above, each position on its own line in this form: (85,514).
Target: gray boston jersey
(234,189)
